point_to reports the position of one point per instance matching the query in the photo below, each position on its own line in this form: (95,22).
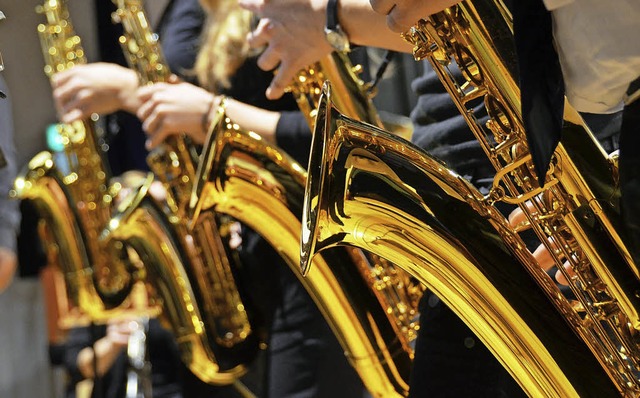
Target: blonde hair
(224,46)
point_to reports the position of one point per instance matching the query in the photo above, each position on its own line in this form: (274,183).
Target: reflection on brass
(352,95)
(369,189)
(396,290)
(189,271)
(262,187)
(71,193)
(576,214)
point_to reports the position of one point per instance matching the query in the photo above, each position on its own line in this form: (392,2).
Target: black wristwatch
(332,31)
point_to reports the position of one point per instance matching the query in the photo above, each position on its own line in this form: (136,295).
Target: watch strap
(332,15)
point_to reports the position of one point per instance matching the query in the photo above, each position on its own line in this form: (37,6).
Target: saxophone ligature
(189,271)
(339,207)
(72,193)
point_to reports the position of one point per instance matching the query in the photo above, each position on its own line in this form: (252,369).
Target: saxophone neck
(61,46)
(174,162)
(351,93)
(139,43)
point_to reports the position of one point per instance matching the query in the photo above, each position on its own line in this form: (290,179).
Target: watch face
(337,39)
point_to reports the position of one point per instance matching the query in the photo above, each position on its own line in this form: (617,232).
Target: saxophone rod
(243,390)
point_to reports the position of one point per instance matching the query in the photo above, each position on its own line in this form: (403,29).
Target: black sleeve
(442,131)
(294,136)
(180,29)
(77,339)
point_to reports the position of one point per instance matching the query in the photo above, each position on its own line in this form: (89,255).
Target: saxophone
(353,94)
(189,270)
(575,213)
(384,195)
(262,187)
(396,290)
(272,176)
(72,193)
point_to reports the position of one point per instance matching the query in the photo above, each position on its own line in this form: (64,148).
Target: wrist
(205,122)
(334,33)
(127,93)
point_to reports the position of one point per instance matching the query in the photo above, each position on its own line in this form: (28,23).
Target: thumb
(281,81)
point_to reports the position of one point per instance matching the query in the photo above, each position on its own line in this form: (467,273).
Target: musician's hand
(293,33)
(119,331)
(106,350)
(94,88)
(8,266)
(541,254)
(174,108)
(235,235)
(403,14)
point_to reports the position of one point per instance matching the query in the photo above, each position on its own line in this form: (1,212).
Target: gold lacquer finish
(369,189)
(336,67)
(352,95)
(576,215)
(396,290)
(71,190)
(189,270)
(262,187)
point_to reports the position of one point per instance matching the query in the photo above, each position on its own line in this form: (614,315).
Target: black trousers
(304,358)
(451,361)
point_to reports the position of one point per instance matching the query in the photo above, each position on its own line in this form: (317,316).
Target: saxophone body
(337,67)
(396,290)
(352,95)
(188,270)
(576,214)
(372,190)
(72,191)
(262,187)
(574,211)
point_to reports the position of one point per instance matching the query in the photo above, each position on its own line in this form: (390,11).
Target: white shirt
(598,42)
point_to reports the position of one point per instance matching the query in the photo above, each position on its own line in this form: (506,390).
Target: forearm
(128,100)
(365,27)
(249,117)
(106,351)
